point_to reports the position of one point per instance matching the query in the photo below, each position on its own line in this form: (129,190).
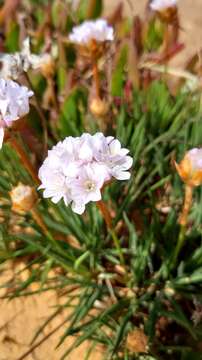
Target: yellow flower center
(89,185)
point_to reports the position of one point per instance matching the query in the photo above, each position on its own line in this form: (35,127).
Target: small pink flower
(160,5)
(97,30)
(87,186)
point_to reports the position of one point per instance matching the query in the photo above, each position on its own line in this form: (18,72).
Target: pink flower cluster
(98,30)
(76,169)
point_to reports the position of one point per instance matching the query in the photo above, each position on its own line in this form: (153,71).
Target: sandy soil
(20,318)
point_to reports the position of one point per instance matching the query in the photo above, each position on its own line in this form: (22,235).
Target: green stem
(117,245)
(81,258)
(39,220)
(108,220)
(180,243)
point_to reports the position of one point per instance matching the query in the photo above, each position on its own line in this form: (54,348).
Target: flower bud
(169,291)
(137,342)
(190,168)
(98,107)
(23,198)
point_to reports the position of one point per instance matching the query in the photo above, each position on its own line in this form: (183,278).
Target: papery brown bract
(23,198)
(191,176)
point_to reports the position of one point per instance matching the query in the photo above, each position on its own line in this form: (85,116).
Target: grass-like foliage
(137,300)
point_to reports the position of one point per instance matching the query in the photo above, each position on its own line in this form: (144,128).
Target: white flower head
(97,30)
(161,5)
(14,103)
(195,157)
(76,169)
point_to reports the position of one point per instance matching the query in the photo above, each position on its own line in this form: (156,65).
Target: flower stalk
(187,205)
(190,171)
(183,220)
(105,213)
(38,219)
(24,158)
(90,39)
(96,79)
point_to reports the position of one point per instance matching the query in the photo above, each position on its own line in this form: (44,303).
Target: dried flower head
(43,62)
(13,65)
(77,168)
(97,30)
(161,5)
(23,198)
(14,103)
(190,168)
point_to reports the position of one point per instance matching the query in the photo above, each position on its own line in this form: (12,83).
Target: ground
(21,317)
